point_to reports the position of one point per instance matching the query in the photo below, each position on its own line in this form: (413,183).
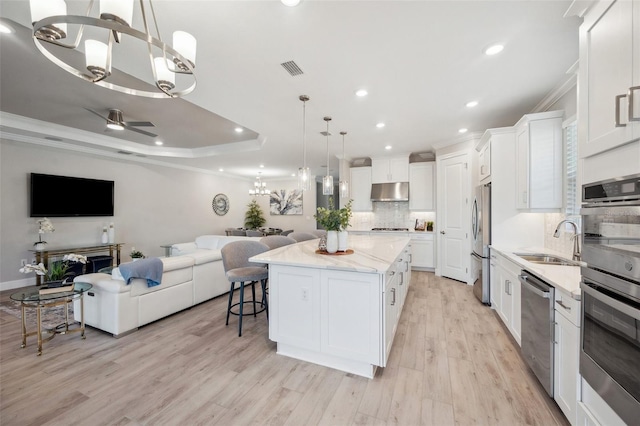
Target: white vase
(105,237)
(343,240)
(112,234)
(332,241)
(39,246)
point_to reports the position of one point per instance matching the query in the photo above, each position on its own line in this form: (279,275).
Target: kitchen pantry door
(454,216)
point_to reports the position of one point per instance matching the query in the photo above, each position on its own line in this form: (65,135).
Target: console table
(44,255)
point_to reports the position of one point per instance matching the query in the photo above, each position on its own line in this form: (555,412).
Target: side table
(30,297)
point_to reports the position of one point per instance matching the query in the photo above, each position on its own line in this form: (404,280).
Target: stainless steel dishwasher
(538,327)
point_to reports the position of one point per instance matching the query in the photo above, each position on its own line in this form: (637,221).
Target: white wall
(154,205)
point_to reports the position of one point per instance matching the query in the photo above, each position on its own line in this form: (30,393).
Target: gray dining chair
(275,241)
(238,269)
(319,233)
(302,236)
(287,232)
(238,232)
(254,233)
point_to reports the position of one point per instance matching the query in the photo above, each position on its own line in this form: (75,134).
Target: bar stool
(302,236)
(275,241)
(238,269)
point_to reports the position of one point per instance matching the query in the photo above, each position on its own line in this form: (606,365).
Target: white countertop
(566,278)
(372,254)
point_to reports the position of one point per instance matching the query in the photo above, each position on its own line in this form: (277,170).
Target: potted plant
(58,271)
(253,218)
(429,226)
(335,221)
(136,254)
(44,226)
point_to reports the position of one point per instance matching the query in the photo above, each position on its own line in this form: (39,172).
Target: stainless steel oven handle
(532,287)
(616,304)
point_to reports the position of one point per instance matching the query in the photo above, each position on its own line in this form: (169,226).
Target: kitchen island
(342,310)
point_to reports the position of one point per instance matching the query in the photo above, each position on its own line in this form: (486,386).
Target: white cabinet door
(394,169)
(566,356)
(509,304)
(496,284)
(360,190)
(609,76)
(484,163)
(422,251)
(391,313)
(522,167)
(422,186)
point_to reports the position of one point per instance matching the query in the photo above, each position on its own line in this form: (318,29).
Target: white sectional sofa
(193,274)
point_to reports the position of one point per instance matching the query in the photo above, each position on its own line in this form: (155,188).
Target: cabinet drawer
(567,306)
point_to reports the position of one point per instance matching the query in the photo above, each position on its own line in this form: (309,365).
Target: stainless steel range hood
(398,191)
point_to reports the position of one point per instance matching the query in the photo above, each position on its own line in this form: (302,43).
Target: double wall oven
(610,341)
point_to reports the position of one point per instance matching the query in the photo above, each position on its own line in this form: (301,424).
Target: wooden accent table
(44,255)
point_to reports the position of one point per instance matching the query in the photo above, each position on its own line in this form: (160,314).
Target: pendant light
(344,184)
(327,181)
(304,181)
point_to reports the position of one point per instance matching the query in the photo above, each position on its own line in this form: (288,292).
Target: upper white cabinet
(392,169)
(609,77)
(484,158)
(422,186)
(539,161)
(360,191)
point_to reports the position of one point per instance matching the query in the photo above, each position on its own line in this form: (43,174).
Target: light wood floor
(452,363)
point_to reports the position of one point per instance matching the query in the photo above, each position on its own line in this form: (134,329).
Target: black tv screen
(65,196)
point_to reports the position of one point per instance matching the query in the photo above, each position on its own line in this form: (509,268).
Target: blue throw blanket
(149,269)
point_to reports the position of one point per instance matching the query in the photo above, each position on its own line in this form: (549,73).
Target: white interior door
(454,216)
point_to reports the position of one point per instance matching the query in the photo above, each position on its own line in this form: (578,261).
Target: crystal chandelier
(327,181)
(304,181)
(259,187)
(50,24)
(343,184)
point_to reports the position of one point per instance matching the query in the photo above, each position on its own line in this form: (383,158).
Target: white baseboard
(10,285)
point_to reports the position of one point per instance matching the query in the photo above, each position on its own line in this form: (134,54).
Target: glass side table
(30,297)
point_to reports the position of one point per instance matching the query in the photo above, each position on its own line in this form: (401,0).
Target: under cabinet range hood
(398,191)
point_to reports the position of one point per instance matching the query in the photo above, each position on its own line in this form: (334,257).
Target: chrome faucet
(576,239)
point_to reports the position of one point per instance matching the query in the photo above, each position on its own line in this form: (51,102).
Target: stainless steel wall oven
(610,340)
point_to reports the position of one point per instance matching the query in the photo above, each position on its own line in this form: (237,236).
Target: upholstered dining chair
(275,241)
(287,232)
(302,236)
(238,269)
(238,232)
(254,233)
(319,233)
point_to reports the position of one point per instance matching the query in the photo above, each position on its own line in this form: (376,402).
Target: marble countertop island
(372,254)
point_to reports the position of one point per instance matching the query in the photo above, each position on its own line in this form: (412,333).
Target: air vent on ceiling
(124,152)
(292,68)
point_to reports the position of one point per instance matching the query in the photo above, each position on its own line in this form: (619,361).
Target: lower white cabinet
(422,251)
(506,293)
(566,378)
(584,416)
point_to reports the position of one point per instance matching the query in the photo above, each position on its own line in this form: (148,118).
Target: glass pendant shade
(185,44)
(344,189)
(41,9)
(327,185)
(121,9)
(304,180)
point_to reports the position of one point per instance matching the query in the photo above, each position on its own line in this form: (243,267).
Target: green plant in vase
(334,221)
(254,218)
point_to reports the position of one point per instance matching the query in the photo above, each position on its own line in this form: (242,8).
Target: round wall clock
(220,204)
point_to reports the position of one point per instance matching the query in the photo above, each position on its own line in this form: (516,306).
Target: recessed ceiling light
(293,175)
(290,3)
(5,29)
(463,130)
(221,169)
(158,143)
(362,93)
(262,166)
(495,49)
(388,147)
(472,104)
(380,125)
(238,129)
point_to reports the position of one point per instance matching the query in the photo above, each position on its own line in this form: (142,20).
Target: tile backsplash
(563,244)
(394,214)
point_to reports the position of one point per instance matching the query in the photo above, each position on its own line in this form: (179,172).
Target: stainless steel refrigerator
(481,233)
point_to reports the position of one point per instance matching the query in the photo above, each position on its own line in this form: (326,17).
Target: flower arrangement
(136,254)
(58,271)
(44,226)
(333,219)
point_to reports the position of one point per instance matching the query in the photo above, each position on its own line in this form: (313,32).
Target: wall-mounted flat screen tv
(66,196)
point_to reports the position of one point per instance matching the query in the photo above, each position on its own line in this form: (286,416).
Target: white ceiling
(421,62)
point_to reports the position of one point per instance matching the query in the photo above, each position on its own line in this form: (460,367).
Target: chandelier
(50,24)
(327,181)
(304,181)
(259,187)
(344,183)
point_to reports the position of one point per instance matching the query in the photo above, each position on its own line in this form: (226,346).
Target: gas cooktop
(389,229)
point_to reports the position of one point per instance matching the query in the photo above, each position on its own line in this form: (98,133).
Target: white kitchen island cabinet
(340,311)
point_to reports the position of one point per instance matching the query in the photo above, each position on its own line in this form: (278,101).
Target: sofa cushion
(205,256)
(176,262)
(208,241)
(183,248)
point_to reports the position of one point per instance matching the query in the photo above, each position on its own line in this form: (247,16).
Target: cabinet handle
(553,332)
(507,284)
(559,302)
(393,301)
(618,124)
(632,117)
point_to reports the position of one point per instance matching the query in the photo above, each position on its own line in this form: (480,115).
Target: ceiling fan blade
(133,129)
(139,123)
(99,115)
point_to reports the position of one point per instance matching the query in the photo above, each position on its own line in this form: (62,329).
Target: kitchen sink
(547,259)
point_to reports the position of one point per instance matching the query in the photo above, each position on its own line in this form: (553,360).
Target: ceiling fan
(116,122)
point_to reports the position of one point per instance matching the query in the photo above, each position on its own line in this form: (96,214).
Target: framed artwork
(286,202)
(420,225)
